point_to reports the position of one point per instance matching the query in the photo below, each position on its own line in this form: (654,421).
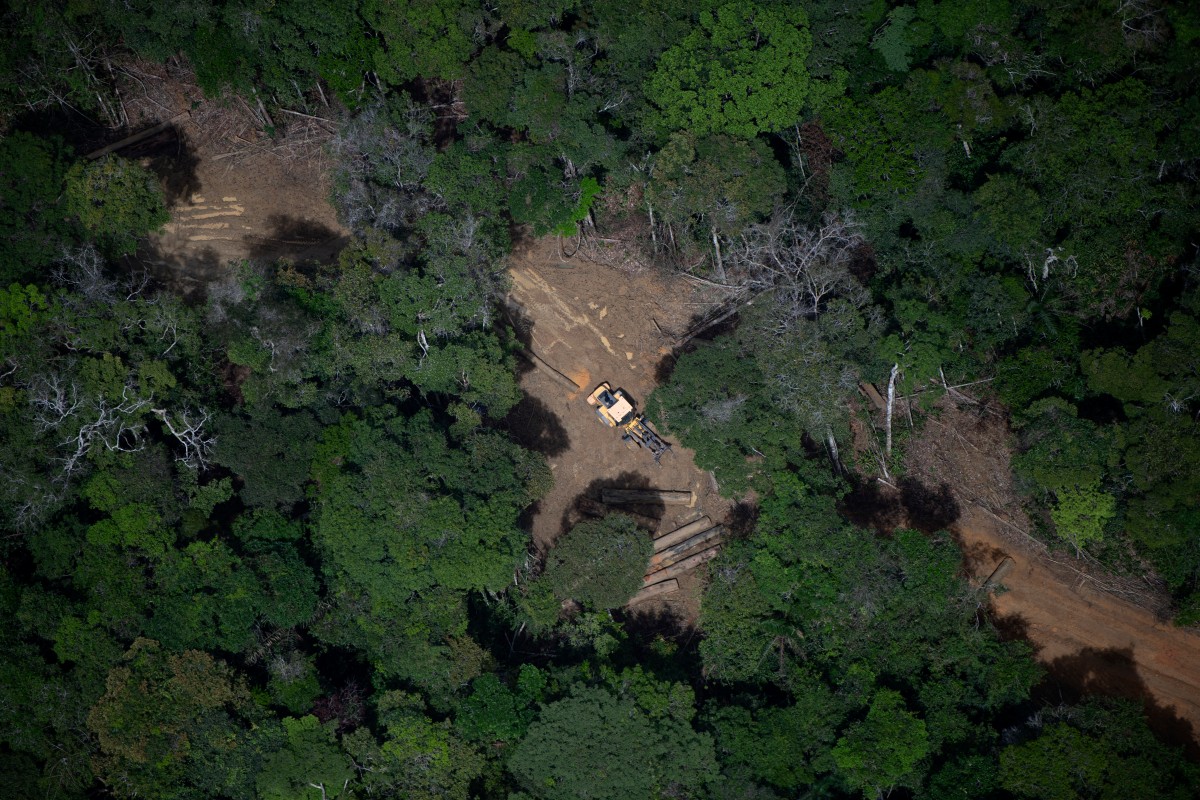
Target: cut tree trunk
(668,497)
(658,589)
(541,363)
(717,262)
(667,557)
(681,534)
(594,508)
(833,451)
(137,137)
(687,564)
(998,574)
(871,394)
(891,404)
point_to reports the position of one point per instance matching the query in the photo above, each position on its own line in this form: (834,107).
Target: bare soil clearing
(1094,632)
(258,209)
(595,323)
(234,191)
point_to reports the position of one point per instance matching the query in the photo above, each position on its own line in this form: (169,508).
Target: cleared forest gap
(585,323)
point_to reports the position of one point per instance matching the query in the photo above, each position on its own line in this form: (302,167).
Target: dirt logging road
(1092,631)
(1086,637)
(588,323)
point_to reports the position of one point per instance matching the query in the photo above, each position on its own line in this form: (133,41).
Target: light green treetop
(740,71)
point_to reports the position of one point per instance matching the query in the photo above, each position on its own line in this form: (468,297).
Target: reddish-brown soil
(594,323)
(1093,631)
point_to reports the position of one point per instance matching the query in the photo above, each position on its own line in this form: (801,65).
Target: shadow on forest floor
(871,504)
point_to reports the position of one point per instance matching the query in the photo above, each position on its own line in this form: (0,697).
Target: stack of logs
(675,553)
(678,552)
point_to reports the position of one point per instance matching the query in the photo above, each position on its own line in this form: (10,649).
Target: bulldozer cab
(612,407)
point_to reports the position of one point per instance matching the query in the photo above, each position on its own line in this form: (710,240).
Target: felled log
(648,497)
(689,563)
(594,508)
(998,574)
(541,363)
(657,590)
(137,137)
(681,534)
(667,557)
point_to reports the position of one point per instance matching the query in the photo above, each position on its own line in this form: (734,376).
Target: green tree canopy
(309,758)
(599,563)
(116,201)
(740,71)
(597,746)
(174,726)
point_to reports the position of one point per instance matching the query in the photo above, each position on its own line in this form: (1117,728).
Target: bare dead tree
(82,270)
(891,404)
(1143,23)
(188,430)
(802,266)
(58,406)
(1052,261)
(42,84)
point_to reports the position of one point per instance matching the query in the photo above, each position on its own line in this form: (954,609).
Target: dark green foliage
(712,82)
(884,750)
(808,603)
(270,454)
(716,403)
(494,713)
(1102,748)
(156,700)
(785,747)
(309,756)
(717,182)
(596,745)
(303,477)
(415,757)
(115,201)
(599,563)
(32,219)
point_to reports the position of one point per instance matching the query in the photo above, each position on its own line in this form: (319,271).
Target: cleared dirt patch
(1092,631)
(239,184)
(592,323)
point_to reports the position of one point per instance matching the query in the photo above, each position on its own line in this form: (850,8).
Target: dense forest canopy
(269,544)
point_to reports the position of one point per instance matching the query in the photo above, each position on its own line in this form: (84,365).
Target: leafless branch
(189,432)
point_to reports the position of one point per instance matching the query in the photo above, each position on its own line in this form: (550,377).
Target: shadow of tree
(534,426)
(519,331)
(928,510)
(1110,672)
(172,159)
(1113,672)
(650,621)
(742,519)
(666,365)
(187,276)
(871,504)
(297,239)
(979,558)
(589,503)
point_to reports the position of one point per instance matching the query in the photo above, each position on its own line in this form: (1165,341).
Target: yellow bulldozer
(614,410)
